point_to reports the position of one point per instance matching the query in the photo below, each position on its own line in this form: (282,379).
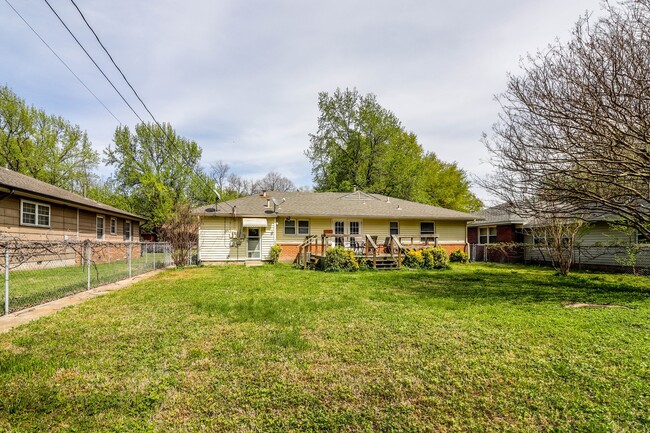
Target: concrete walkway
(18,318)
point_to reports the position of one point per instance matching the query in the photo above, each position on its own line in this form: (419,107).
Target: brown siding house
(31,210)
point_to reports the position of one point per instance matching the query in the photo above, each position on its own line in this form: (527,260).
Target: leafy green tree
(156,170)
(444,184)
(44,146)
(360,143)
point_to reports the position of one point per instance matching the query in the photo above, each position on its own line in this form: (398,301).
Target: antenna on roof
(276,203)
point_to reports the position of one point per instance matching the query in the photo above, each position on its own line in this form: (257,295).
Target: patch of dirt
(584,305)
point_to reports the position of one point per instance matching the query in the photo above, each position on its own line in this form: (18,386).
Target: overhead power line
(62,61)
(93,60)
(169,140)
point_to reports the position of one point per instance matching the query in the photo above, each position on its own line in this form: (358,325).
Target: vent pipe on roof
(263,193)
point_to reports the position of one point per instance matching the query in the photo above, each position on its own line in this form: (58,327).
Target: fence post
(7,280)
(88,263)
(130,253)
(154,256)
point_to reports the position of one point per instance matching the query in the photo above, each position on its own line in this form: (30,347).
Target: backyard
(479,347)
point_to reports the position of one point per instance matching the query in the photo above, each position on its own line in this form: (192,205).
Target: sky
(242,78)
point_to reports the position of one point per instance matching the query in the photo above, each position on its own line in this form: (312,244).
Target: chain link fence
(632,259)
(37,272)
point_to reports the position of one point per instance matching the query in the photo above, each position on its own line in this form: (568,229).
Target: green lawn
(476,348)
(28,287)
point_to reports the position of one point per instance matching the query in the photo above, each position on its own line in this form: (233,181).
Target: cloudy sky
(242,77)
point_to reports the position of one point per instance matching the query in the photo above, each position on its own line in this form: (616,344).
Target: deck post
(7,260)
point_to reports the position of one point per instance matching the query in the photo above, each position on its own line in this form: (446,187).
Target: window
(394,228)
(34,214)
(100,227)
(427,228)
(642,239)
(127,231)
(355,227)
(487,235)
(113,226)
(303,227)
(289,227)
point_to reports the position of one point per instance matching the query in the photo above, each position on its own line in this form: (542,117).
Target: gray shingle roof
(330,204)
(496,215)
(21,183)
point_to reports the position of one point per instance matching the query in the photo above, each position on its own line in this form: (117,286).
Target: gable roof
(330,204)
(25,185)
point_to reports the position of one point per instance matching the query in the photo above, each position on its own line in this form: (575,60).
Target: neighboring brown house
(31,210)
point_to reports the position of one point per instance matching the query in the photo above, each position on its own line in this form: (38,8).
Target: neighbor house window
(100,227)
(394,228)
(303,227)
(642,239)
(487,235)
(113,226)
(289,227)
(128,235)
(34,214)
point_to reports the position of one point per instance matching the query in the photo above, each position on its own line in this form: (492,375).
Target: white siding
(214,239)
(216,244)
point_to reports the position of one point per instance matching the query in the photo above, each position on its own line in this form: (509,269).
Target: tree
(43,146)
(573,133)
(157,169)
(182,232)
(361,144)
(446,185)
(273,181)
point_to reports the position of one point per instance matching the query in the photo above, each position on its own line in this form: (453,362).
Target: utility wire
(93,60)
(171,142)
(62,61)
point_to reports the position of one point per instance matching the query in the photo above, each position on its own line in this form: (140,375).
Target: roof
(496,215)
(24,184)
(330,204)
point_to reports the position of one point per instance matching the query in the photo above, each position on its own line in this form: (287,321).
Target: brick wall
(472,235)
(289,253)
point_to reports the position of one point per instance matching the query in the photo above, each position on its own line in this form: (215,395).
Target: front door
(339,229)
(253,243)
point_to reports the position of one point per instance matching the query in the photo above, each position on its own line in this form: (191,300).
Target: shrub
(340,259)
(459,256)
(413,259)
(440,258)
(274,254)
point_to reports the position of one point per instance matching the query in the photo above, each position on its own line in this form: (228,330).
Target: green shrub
(413,259)
(440,258)
(340,259)
(459,256)
(274,254)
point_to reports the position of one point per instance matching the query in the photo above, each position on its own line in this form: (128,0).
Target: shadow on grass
(526,285)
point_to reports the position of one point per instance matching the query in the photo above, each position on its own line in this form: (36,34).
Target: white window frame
(294,227)
(113,226)
(487,235)
(428,222)
(97,218)
(37,206)
(298,228)
(128,234)
(390,228)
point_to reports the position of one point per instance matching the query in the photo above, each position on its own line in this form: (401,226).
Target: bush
(440,258)
(340,259)
(459,256)
(413,259)
(430,258)
(274,254)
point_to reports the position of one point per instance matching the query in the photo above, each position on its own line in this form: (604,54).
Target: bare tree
(219,172)
(574,131)
(557,235)
(239,186)
(182,232)
(274,181)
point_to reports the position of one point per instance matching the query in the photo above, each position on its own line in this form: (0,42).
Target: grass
(29,287)
(476,348)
